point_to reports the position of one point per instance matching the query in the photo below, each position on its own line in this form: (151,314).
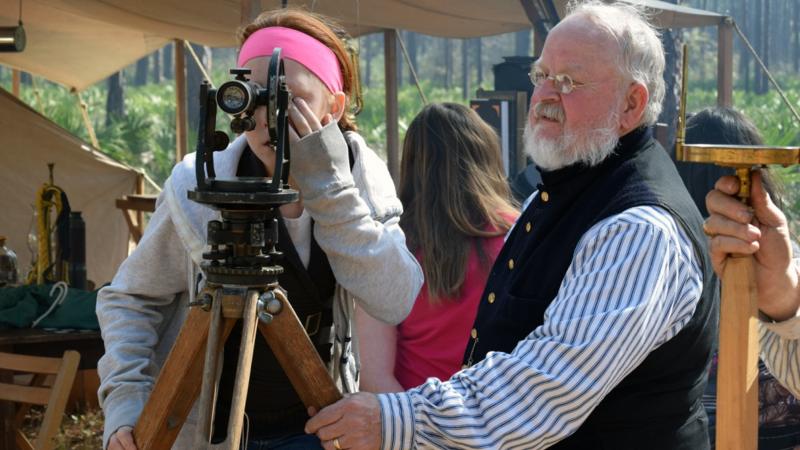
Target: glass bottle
(8,265)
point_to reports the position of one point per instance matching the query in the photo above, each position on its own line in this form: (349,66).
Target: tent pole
(180,100)
(390,74)
(725,63)
(15,78)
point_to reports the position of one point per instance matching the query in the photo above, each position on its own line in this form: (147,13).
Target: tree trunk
(167,62)
(757,38)
(158,75)
(366,42)
(765,29)
(142,67)
(411,44)
(115,99)
(464,69)
(478,43)
(522,43)
(400,58)
(448,62)
(796,26)
(194,77)
(671,39)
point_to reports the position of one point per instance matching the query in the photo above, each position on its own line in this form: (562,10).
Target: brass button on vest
(474,333)
(491,297)
(528,227)
(511,264)
(545,196)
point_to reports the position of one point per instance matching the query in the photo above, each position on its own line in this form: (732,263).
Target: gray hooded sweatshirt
(356,213)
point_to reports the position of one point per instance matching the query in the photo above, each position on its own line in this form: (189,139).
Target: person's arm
(633,284)
(377,342)
(368,256)
(763,232)
(130,311)
(780,351)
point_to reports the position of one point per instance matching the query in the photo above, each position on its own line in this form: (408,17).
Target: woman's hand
(122,439)
(303,120)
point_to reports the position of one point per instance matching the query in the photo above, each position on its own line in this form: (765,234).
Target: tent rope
(766,71)
(85,115)
(411,67)
(199,63)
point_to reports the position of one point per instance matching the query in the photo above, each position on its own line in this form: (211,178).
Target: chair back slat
(24,394)
(29,364)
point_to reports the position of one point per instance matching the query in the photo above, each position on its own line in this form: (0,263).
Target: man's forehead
(577,45)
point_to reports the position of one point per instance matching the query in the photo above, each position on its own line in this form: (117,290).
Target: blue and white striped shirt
(780,350)
(633,284)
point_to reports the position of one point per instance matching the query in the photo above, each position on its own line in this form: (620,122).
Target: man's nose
(545,92)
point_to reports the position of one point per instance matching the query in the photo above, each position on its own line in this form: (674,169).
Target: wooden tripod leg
(737,371)
(242,382)
(298,357)
(177,385)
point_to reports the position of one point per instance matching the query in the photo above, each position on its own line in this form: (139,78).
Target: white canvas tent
(79,42)
(91,180)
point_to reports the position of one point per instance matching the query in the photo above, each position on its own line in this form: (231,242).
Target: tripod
(241,271)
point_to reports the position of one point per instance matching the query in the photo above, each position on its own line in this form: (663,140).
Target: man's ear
(338,104)
(633,107)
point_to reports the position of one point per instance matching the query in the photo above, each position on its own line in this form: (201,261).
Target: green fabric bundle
(21,306)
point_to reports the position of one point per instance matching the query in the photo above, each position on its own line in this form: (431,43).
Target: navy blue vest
(657,406)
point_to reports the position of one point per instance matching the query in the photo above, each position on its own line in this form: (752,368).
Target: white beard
(590,147)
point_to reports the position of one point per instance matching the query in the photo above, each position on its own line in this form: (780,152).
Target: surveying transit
(241,270)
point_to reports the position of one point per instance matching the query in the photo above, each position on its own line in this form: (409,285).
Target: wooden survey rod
(737,371)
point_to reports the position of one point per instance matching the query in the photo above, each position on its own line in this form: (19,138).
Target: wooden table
(43,343)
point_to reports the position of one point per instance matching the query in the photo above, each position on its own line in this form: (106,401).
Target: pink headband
(298,46)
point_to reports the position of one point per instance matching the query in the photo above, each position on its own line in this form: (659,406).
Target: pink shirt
(432,340)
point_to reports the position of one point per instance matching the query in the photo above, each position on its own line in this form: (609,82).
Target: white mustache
(551,111)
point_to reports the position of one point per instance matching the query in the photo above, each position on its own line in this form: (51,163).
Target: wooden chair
(54,398)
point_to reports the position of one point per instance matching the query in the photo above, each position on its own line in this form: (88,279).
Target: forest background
(133,111)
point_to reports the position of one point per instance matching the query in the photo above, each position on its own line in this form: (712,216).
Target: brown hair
(324,30)
(453,191)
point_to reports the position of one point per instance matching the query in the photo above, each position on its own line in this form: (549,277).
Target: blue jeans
(288,442)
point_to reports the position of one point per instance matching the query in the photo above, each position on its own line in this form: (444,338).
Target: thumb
(766,211)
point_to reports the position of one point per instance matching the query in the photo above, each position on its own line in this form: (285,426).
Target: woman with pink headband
(341,241)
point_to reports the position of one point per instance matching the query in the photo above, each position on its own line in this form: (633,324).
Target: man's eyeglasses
(563,83)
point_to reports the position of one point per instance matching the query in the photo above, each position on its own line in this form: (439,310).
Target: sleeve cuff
(788,329)
(397,421)
(122,410)
(320,162)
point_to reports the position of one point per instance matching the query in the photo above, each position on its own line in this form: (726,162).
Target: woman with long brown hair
(457,210)
(341,242)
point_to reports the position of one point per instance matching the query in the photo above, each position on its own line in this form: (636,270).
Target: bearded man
(598,319)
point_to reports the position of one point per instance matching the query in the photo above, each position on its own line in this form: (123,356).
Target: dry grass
(79,431)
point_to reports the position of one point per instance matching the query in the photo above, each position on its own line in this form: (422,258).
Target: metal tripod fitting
(204,301)
(268,306)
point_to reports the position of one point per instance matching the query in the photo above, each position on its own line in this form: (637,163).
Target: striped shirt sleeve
(633,284)
(780,352)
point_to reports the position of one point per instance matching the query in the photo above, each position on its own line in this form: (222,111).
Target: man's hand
(762,232)
(351,423)
(122,439)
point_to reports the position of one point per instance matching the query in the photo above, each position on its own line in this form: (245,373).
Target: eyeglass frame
(558,81)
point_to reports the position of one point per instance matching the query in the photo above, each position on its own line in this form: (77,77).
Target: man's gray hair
(641,53)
